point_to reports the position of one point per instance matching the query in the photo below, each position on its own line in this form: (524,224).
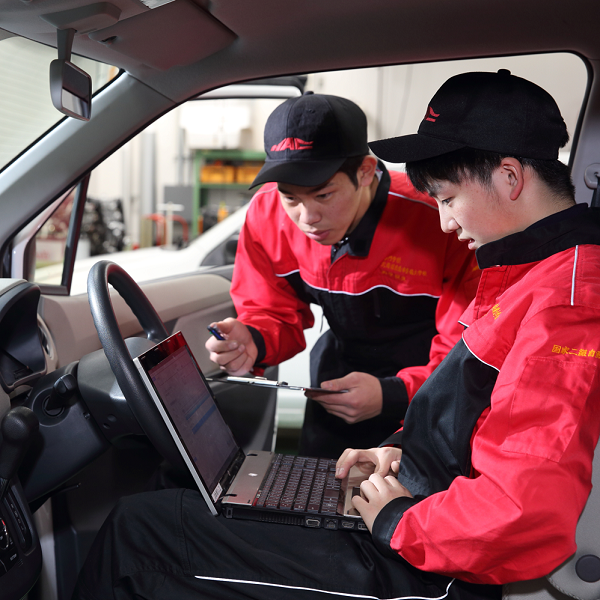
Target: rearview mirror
(71,89)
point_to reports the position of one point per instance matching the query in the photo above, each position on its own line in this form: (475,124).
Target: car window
(173,199)
(51,241)
(55,237)
(395,98)
(26,110)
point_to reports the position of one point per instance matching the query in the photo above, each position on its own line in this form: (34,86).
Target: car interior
(78,430)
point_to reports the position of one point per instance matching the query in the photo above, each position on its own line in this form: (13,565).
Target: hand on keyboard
(383,461)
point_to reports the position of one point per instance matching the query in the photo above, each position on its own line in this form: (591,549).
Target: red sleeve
(461,276)
(532,458)
(262,299)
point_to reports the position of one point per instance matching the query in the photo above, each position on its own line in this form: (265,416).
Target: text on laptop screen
(190,405)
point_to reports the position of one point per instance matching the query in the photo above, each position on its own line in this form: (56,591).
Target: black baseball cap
(308,138)
(498,112)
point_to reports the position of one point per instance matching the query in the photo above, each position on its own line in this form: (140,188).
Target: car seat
(579,576)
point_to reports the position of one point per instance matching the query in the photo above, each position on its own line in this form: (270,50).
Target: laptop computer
(261,486)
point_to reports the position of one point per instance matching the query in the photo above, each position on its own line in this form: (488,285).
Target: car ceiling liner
(143,37)
(193,35)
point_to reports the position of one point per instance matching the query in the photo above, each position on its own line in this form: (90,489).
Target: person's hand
(375,493)
(237,353)
(363,400)
(380,461)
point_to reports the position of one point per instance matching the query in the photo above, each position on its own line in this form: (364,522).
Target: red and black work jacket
(498,444)
(392,292)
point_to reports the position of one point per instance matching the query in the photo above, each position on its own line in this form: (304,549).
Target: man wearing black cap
(336,229)
(498,443)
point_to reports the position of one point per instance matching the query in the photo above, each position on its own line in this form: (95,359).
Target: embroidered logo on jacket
(556,349)
(292,144)
(496,311)
(391,266)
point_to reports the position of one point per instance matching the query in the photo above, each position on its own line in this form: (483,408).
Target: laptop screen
(190,406)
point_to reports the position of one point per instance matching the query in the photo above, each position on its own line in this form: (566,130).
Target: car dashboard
(42,418)
(22,363)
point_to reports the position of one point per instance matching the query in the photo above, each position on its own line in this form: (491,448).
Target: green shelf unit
(201,189)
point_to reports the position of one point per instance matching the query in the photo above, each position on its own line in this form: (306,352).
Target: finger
(385,458)
(366,460)
(229,360)
(368,489)
(224,358)
(377,480)
(383,468)
(392,488)
(344,455)
(240,371)
(343,383)
(345,462)
(225,326)
(325,402)
(218,346)
(211,344)
(393,482)
(359,503)
(239,365)
(331,384)
(217,358)
(331,400)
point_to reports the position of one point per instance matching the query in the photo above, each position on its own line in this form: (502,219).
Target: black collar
(561,231)
(358,243)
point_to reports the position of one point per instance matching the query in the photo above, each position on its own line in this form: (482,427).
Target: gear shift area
(20,553)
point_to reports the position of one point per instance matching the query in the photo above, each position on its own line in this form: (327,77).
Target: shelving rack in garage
(243,164)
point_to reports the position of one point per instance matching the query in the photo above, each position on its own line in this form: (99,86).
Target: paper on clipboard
(264,382)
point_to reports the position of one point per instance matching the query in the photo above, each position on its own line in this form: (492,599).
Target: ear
(366,171)
(512,176)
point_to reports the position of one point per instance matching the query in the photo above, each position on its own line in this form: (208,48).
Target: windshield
(172,200)
(26,110)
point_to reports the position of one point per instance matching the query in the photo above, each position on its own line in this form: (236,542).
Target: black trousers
(165,545)
(325,435)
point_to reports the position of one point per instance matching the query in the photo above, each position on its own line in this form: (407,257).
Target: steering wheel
(138,400)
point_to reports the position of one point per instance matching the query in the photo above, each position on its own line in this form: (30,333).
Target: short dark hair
(350,167)
(478,165)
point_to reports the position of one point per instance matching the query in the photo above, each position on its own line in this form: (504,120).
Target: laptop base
(331,522)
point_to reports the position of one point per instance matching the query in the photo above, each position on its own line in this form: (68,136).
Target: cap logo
(292,144)
(430,115)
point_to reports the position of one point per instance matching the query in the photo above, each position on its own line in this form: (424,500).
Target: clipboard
(264,382)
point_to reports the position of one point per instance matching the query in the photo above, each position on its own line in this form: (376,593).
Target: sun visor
(175,34)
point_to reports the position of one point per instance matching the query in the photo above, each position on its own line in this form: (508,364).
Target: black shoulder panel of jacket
(436,443)
(393,440)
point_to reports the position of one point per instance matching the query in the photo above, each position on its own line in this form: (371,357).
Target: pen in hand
(215,332)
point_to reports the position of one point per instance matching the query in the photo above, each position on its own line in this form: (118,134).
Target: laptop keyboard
(302,484)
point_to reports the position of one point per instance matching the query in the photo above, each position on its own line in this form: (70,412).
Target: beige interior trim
(193,326)
(70,320)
